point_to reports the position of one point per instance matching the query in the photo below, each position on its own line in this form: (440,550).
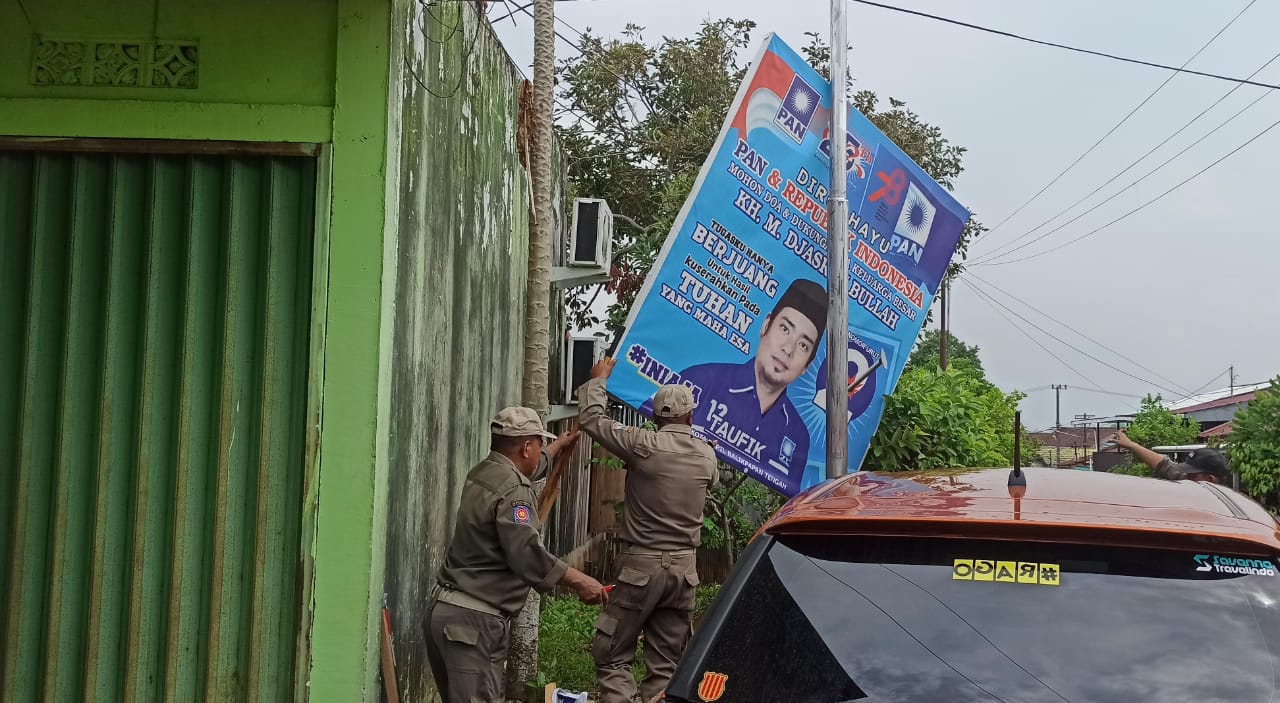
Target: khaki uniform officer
(668,475)
(495,557)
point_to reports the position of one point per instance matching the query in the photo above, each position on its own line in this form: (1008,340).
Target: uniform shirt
(668,475)
(1168,470)
(496,554)
(776,441)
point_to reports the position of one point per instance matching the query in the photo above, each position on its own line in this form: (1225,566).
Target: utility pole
(1057,424)
(522,658)
(838,255)
(942,337)
(1082,420)
(1232,373)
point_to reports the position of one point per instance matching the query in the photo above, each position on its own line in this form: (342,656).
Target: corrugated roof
(1214,399)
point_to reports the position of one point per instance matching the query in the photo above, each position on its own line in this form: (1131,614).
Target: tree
(1155,425)
(522,657)
(640,118)
(736,508)
(940,419)
(960,355)
(1254,446)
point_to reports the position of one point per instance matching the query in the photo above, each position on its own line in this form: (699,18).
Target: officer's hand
(603,368)
(588,590)
(564,442)
(1121,439)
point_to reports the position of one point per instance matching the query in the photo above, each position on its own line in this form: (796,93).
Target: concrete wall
(460,275)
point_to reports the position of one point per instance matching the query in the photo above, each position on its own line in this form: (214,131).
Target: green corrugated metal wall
(154,327)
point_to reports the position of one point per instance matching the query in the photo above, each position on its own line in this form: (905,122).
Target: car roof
(1057,505)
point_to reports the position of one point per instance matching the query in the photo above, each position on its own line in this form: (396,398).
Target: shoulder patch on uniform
(521,512)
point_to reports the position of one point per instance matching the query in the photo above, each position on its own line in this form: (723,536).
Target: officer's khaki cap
(673,400)
(518,422)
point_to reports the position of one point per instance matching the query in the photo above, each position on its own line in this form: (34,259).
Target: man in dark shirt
(1205,464)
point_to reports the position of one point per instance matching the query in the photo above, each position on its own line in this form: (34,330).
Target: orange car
(951,587)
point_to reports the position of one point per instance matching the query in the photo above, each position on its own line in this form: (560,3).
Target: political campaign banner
(735,306)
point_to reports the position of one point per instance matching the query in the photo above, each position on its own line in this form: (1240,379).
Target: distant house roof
(1217,430)
(1216,399)
(1071,436)
(1104,421)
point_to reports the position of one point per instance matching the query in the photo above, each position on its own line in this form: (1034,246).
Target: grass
(564,641)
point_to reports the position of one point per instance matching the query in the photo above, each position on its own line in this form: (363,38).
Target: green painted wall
(266,53)
(350,529)
(420,263)
(269,72)
(266,70)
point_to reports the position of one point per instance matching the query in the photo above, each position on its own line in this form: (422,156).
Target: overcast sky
(1183,287)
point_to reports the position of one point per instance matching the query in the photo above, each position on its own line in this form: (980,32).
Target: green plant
(1133,469)
(942,419)
(928,352)
(1154,426)
(564,641)
(1254,446)
(736,508)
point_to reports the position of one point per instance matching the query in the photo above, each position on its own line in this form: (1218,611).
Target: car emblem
(712,686)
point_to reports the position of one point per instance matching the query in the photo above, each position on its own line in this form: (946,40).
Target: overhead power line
(1201,389)
(998,254)
(1125,119)
(1105,55)
(992,302)
(1136,210)
(1005,249)
(1075,331)
(1073,347)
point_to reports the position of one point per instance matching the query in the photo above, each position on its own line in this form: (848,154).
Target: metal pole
(942,337)
(1057,424)
(838,256)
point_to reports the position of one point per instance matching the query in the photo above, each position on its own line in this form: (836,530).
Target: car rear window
(903,620)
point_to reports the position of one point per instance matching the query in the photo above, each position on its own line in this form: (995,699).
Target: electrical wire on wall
(464,56)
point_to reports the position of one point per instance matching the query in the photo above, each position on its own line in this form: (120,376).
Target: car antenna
(1016,477)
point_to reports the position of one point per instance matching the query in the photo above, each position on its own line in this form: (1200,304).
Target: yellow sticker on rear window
(984,570)
(1028,572)
(1050,574)
(1006,571)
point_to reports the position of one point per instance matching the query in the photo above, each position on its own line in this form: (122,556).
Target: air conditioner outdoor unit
(591,239)
(581,352)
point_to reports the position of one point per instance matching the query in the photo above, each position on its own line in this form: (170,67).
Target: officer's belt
(463,600)
(641,552)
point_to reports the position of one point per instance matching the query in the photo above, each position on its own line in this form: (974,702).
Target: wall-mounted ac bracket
(562,412)
(571,277)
